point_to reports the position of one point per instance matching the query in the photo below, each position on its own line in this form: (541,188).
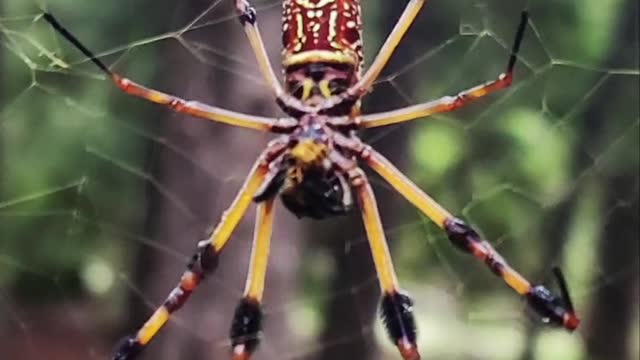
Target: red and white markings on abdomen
(321,31)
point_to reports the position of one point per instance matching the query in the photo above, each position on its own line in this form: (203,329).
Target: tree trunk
(614,310)
(614,307)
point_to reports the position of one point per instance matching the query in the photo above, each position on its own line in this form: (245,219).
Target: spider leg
(384,54)
(554,309)
(203,263)
(396,307)
(247,321)
(386,51)
(249,21)
(177,104)
(450,103)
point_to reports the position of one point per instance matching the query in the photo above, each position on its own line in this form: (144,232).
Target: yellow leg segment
(195,108)
(450,103)
(396,307)
(260,252)
(406,19)
(460,234)
(377,240)
(232,216)
(204,261)
(190,107)
(406,187)
(365,83)
(557,310)
(263,61)
(153,325)
(445,104)
(247,322)
(248,19)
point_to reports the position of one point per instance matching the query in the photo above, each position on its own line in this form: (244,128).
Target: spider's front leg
(193,108)
(396,307)
(204,261)
(249,21)
(451,103)
(554,309)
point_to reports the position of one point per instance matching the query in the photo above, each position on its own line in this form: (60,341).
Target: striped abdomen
(322,31)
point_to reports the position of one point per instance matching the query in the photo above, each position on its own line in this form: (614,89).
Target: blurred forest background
(103,197)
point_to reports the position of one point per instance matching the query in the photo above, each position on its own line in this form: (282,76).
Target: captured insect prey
(314,166)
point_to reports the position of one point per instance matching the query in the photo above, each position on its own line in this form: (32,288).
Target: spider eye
(338,86)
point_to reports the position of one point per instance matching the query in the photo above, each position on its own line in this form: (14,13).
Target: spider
(314,166)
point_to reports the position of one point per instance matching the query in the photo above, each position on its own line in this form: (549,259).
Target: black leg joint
(396,310)
(205,260)
(547,305)
(176,299)
(128,349)
(496,265)
(247,325)
(248,16)
(461,234)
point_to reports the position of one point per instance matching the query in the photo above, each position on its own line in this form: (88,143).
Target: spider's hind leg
(247,321)
(396,307)
(203,262)
(553,309)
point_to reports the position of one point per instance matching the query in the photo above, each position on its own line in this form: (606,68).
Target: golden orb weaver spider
(313,165)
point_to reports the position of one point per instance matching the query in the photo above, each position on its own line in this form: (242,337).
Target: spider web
(103,197)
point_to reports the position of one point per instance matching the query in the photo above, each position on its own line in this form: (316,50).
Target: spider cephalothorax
(314,83)
(314,166)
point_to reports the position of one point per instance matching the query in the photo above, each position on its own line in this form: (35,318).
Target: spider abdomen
(321,31)
(312,187)
(316,193)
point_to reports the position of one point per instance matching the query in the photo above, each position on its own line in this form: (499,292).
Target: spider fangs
(314,165)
